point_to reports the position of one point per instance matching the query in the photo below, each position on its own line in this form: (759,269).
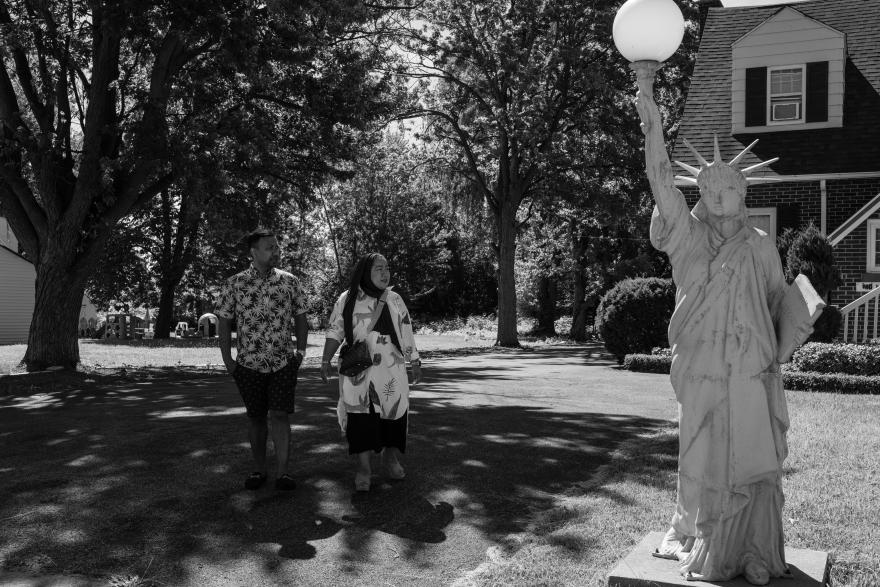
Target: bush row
(647,363)
(795,380)
(850,359)
(831,382)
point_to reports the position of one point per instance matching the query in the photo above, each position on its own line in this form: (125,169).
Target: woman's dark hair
(362,268)
(254,236)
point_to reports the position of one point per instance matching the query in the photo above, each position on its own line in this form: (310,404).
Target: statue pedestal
(640,569)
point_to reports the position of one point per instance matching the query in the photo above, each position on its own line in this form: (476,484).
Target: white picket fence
(853,311)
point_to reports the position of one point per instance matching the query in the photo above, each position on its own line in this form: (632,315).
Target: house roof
(14,253)
(855,147)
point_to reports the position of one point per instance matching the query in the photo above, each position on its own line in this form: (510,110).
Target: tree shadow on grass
(115,476)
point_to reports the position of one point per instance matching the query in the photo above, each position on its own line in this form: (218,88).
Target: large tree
(511,84)
(506,81)
(90,96)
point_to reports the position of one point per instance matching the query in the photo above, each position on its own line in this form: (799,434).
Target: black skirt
(366,432)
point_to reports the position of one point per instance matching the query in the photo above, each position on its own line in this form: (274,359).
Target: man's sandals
(285,483)
(255,480)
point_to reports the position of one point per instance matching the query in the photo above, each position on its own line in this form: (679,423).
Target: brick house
(804,79)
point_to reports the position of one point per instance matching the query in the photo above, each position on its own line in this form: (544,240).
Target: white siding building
(17,278)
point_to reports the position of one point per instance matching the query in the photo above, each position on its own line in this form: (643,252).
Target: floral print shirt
(263,309)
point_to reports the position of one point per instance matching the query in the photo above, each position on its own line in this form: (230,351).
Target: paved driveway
(493,437)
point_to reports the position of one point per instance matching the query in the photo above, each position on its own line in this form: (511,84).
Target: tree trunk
(579,280)
(165,311)
(505,218)
(546,306)
(52,340)
(178,247)
(579,306)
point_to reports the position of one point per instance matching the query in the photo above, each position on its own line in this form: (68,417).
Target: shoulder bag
(355,358)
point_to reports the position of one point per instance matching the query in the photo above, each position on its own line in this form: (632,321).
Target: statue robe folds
(732,410)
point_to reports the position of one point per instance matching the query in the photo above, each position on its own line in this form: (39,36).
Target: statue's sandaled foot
(675,546)
(756,572)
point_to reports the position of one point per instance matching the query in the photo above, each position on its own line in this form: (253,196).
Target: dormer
(788,75)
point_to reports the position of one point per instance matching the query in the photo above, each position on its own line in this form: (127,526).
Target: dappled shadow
(400,511)
(108,475)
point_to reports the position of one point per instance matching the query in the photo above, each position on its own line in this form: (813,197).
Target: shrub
(783,244)
(851,359)
(827,326)
(633,316)
(811,253)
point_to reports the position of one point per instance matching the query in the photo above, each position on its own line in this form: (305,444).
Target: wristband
(415,363)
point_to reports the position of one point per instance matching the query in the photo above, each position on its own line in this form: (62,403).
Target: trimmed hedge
(793,380)
(830,382)
(647,363)
(840,358)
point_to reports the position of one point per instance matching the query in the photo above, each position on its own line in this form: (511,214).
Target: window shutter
(816,109)
(787,216)
(756,96)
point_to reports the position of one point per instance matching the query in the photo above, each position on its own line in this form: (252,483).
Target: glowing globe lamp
(648,29)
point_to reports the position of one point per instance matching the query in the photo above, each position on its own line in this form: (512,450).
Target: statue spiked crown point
(717,160)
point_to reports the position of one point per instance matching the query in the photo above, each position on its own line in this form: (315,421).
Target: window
(873,265)
(785,94)
(765,219)
(787,97)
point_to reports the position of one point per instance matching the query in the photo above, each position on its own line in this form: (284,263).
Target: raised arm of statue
(657,164)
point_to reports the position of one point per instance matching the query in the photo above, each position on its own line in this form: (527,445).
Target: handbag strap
(378,310)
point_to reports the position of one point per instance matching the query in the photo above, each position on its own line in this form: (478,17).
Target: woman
(373,405)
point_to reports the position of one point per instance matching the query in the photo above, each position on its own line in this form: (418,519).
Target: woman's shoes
(393,469)
(361,481)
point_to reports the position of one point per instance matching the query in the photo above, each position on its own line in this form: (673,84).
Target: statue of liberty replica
(733,324)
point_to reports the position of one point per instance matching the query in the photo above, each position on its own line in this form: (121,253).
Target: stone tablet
(800,309)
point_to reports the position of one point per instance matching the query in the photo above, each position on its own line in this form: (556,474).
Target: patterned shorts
(262,392)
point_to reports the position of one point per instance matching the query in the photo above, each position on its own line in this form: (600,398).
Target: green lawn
(832,501)
(203,354)
(473,332)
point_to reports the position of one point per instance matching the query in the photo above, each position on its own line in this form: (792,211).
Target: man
(264,301)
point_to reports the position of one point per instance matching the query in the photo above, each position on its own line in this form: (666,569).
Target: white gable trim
(785,14)
(854,221)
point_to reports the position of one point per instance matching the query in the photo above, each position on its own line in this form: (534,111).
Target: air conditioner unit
(786,110)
